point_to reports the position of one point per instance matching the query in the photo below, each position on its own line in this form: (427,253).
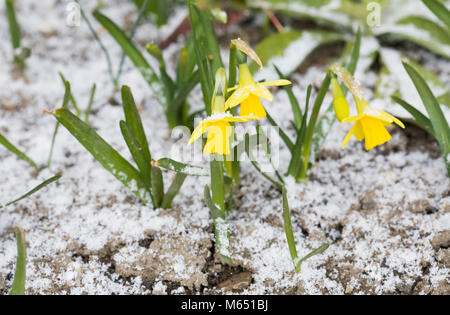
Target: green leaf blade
(132,52)
(173,190)
(187,169)
(439,10)
(437,118)
(420,118)
(8,145)
(34,190)
(133,119)
(108,157)
(18,286)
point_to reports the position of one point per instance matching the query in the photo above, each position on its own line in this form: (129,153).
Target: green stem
(217,207)
(217,182)
(232,69)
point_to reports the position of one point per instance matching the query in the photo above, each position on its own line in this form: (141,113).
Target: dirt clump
(420,206)
(442,240)
(237,283)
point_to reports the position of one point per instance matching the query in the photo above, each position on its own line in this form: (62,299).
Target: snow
(83,232)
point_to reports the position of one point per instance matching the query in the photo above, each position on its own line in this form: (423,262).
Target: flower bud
(156,52)
(340,104)
(220,90)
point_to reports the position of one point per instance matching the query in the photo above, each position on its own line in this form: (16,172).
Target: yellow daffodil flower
(248,94)
(370,125)
(219,132)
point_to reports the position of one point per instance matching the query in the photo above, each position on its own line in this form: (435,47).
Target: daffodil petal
(386,117)
(350,134)
(198,131)
(239,118)
(262,92)
(233,88)
(281,82)
(237,97)
(352,119)
(398,122)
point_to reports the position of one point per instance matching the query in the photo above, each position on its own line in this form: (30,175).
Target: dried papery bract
(246,49)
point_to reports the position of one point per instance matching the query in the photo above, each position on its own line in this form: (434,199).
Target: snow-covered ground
(386,213)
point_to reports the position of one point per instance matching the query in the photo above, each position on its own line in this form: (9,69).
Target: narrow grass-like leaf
(296,164)
(133,119)
(8,145)
(34,190)
(221,228)
(14,29)
(311,126)
(138,155)
(293,100)
(70,95)
(317,251)
(421,31)
(20,53)
(248,141)
(18,286)
(66,100)
(288,230)
(157,186)
(283,135)
(158,10)
(102,46)
(437,118)
(420,118)
(266,145)
(179,99)
(104,154)
(91,101)
(132,52)
(182,168)
(142,11)
(173,190)
(232,68)
(439,10)
(206,49)
(444,99)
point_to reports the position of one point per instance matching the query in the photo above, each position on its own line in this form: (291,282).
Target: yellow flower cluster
(248,94)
